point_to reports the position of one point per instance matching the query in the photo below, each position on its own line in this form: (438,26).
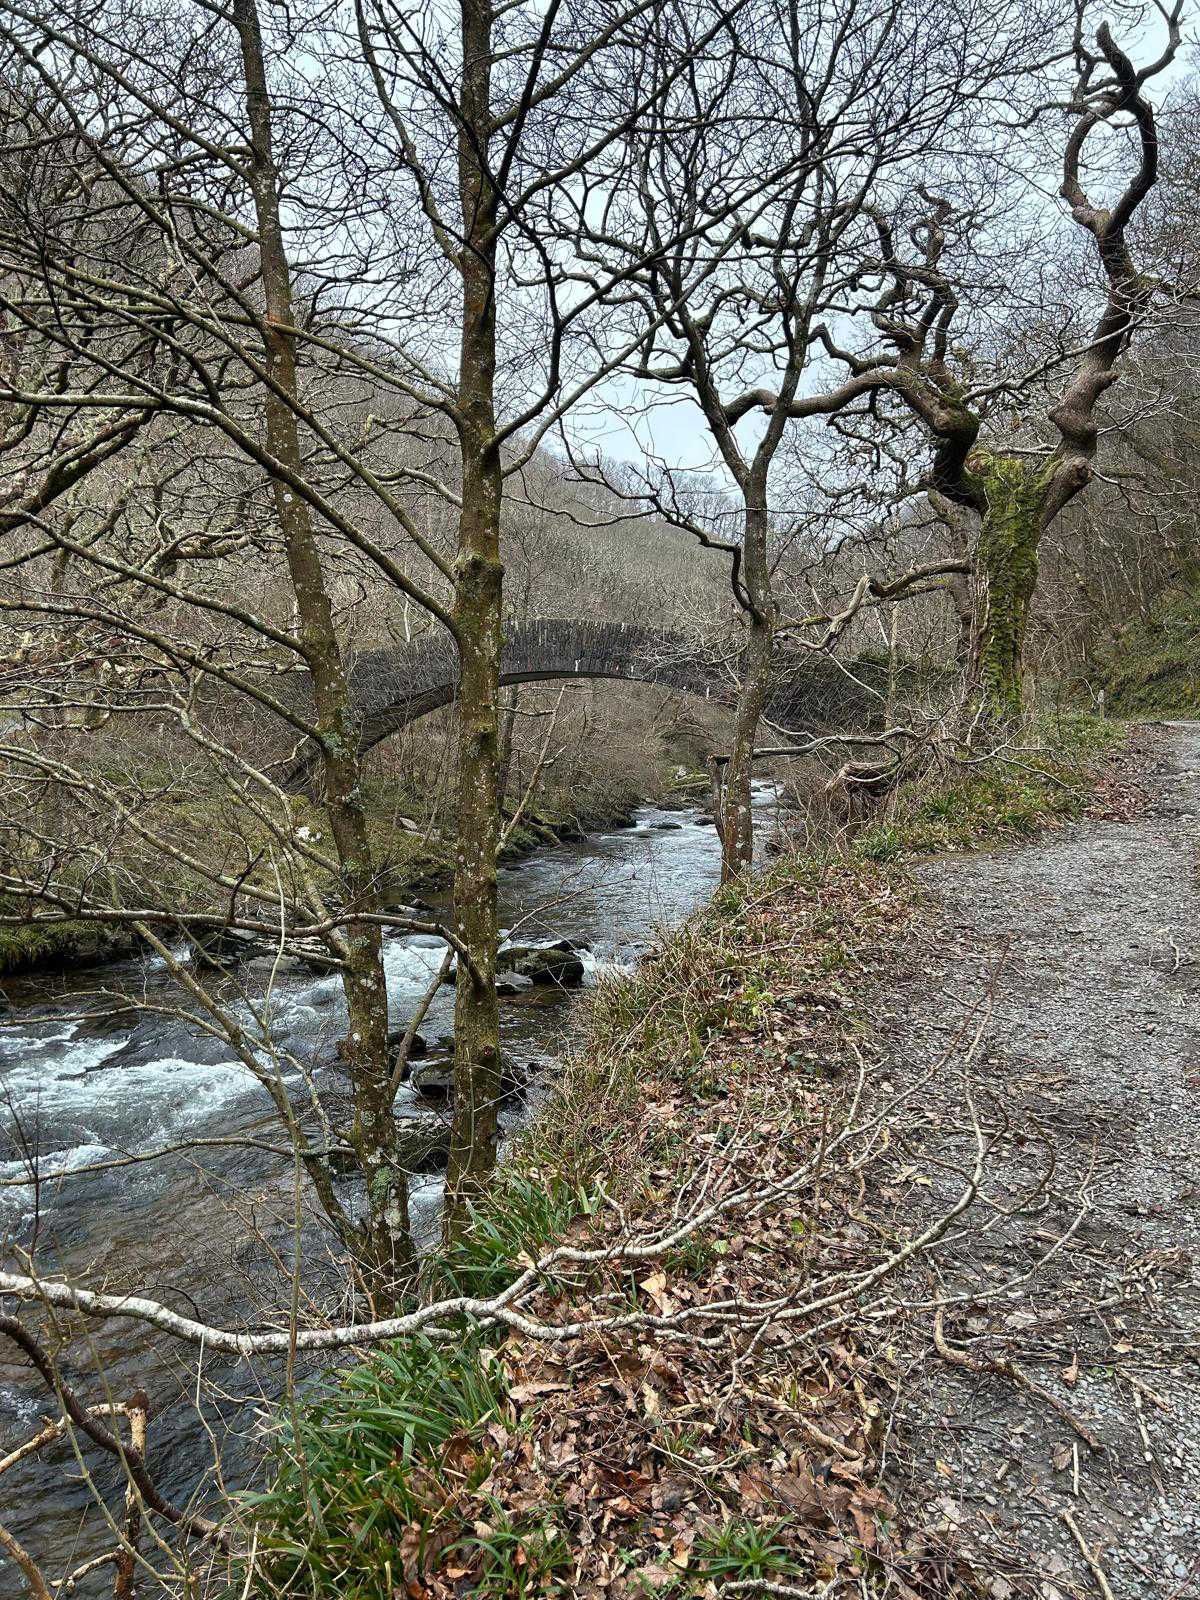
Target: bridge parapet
(394,687)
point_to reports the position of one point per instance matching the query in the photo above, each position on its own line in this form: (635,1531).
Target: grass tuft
(373,1469)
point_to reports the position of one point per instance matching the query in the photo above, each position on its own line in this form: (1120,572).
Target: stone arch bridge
(394,687)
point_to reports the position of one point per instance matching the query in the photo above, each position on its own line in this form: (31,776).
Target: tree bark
(384,1248)
(477,620)
(1005,576)
(735,818)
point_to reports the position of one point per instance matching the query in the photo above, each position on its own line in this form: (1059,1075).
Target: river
(91,1070)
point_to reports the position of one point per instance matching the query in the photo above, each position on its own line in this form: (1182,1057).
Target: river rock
(557,964)
(221,947)
(422,1145)
(666,826)
(529,994)
(434,1080)
(283,966)
(314,955)
(418,1048)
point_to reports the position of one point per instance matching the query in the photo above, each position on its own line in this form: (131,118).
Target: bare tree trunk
(893,678)
(735,819)
(477,620)
(508,730)
(385,1248)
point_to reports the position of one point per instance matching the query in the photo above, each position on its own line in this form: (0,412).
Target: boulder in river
(550,965)
(418,1048)
(422,1145)
(223,947)
(434,1080)
(282,966)
(557,964)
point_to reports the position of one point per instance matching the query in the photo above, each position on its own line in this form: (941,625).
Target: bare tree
(742,320)
(340,297)
(1014,491)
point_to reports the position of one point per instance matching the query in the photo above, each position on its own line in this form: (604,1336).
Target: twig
(138,1412)
(1005,1368)
(817,1435)
(415,1021)
(28,1566)
(1088,1555)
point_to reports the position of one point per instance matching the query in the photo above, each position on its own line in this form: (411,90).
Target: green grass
(513,1558)
(743,1550)
(376,1457)
(522,1208)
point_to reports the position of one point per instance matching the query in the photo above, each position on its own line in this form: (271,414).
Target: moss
(1006,561)
(1154,668)
(50,945)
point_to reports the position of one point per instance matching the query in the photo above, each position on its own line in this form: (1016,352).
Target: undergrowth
(968,807)
(350,1498)
(388,1469)
(1155,668)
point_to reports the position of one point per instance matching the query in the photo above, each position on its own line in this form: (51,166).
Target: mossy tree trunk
(1013,496)
(477,620)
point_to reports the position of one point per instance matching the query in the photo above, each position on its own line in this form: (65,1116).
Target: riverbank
(419,857)
(710,1151)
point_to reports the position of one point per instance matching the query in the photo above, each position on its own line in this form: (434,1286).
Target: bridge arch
(394,687)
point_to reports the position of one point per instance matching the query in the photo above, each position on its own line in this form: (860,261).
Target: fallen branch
(88,1423)
(1088,1555)
(1005,1368)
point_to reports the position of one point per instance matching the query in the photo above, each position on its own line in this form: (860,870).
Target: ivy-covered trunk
(1013,495)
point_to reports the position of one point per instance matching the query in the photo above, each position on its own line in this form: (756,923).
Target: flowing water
(96,1066)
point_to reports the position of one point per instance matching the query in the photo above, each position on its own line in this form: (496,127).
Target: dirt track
(1089,942)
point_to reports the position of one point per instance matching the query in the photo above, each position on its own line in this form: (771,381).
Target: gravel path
(1089,941)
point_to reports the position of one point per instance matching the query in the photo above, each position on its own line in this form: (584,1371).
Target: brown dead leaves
(641,1447)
